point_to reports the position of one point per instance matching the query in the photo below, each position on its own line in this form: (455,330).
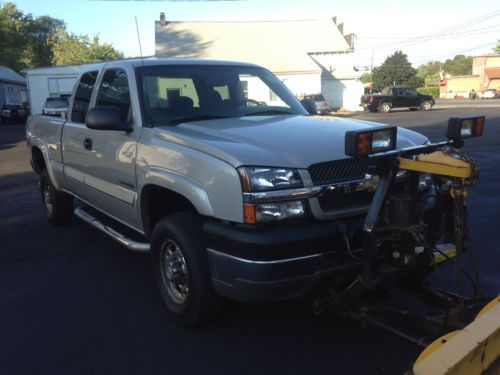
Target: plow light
(465,127)
(370,141)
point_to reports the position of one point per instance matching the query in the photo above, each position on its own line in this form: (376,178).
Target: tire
(426,105)
(180,267)
(58,206)
(385,107)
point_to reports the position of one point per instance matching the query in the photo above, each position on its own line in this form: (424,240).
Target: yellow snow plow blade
(469,351)
(446,250)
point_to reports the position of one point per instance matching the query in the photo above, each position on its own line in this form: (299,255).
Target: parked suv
(490,94)
(322,106)
(13,113)
(55,107)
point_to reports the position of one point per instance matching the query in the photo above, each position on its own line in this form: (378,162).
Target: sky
(423,30)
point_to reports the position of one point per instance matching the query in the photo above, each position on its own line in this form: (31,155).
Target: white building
(309,56)
(12,87)
(51,82)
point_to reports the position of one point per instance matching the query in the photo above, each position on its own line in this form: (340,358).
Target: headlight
(464,127)
(361,143)
(272,212)
(265,179)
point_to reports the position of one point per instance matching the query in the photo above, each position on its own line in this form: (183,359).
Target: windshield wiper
(270,112)
(195,118)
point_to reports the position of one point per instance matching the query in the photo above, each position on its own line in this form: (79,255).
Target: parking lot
(73,301)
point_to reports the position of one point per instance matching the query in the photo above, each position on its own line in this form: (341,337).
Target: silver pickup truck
(217,169)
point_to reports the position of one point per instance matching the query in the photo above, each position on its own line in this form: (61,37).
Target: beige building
(310,56)
(485,75)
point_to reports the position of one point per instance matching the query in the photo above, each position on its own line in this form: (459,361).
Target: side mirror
(106,118)
(309,105)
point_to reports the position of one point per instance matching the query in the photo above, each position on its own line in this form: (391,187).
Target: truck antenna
(139,39)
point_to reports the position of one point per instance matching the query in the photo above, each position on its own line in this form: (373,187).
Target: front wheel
(181,269)
(57,205)
(426,106)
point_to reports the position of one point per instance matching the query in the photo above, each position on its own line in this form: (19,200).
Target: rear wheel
(426,105)
(385,107)
(181,269)
(58,206)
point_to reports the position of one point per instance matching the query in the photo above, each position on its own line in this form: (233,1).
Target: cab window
(114,91)
(82,97)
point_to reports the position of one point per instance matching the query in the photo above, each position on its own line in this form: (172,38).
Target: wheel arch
(157,201)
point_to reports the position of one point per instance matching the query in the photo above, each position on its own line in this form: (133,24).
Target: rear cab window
(83,94)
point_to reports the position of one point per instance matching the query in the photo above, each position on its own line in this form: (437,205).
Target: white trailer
(50,82)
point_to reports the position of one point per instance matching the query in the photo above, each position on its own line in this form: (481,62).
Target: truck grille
(336,171)
(340,201)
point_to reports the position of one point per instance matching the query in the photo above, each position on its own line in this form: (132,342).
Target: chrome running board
(105,228)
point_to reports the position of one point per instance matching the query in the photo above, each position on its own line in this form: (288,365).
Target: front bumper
(277,262)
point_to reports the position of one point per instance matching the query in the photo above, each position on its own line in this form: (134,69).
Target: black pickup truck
(397,97)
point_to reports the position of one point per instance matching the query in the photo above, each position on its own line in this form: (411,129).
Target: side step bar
(105,228)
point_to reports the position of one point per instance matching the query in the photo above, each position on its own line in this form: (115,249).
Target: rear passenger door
(74,134)
(399,99)
(110,162)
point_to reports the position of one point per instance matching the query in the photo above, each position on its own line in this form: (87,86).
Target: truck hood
(274,141)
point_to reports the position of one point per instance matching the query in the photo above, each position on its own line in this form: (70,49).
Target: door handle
(87,144)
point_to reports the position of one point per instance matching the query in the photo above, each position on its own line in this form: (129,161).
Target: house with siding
(12,87)
(310,56)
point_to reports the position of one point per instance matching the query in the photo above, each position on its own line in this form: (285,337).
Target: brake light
(325,104)
(372,99)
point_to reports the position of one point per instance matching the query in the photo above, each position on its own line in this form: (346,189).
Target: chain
(463,241)
(471,250)
(458,204)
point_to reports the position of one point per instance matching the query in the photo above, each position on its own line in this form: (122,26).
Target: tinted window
(410,92)
(114,92)
(82,97)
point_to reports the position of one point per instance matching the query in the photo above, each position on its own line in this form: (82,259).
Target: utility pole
(371,64)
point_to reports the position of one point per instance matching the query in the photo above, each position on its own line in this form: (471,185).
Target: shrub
(431,90)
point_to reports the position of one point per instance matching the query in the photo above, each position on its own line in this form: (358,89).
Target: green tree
(366,77)
(460,65)
(396,70)
(11,36)
(497,47)
(40,33)
(27,42)
(430,72)
(75,49)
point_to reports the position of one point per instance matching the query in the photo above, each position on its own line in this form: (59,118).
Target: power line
(428,37)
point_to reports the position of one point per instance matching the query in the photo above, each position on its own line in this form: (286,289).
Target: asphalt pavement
(73,301)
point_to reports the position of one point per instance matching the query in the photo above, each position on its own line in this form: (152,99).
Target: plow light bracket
(361,143)
(464,127)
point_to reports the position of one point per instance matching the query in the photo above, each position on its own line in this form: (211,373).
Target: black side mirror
(309,105)
(106,118)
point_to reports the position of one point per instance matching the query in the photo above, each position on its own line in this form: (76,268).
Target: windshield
(56,103)
(173,94)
